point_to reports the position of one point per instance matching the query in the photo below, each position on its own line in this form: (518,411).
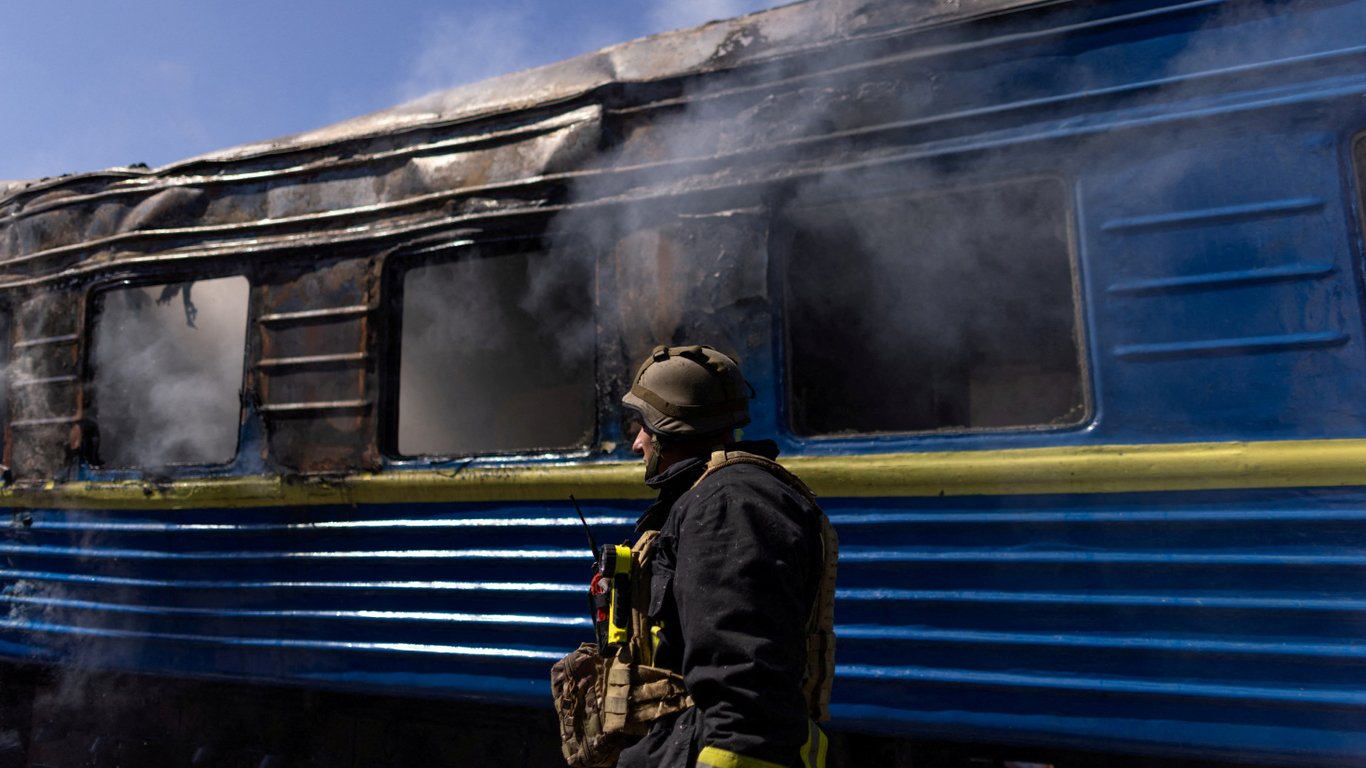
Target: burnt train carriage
(1058,306)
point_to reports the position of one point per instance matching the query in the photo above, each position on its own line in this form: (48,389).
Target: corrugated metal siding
(470,600)
(1092,620)
(1197,623)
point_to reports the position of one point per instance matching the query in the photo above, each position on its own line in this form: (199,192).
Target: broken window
(947,311)
(496,352)
(1359,155)
(7,379)
(694,279)
(167,367)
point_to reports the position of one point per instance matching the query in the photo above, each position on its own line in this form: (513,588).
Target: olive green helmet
(688,392)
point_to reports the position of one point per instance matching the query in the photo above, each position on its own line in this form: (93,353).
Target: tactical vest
(604,701)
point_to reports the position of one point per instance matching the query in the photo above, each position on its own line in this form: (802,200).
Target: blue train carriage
(1057,306)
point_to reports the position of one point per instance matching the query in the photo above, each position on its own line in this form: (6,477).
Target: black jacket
(736,569)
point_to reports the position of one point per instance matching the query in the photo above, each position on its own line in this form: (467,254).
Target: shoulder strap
(721,458)
(642,640)
(820,630)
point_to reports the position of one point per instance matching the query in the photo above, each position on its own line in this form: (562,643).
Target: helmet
(687,392)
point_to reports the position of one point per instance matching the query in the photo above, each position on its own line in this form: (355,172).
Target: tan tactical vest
(604,701)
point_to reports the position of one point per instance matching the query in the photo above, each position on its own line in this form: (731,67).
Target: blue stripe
(1186,689)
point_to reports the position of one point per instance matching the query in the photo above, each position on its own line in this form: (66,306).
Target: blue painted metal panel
(1199,622)
(1232,319)
(1225,612)
(474,599)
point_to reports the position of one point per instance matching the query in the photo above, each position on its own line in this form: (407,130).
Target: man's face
(643,446)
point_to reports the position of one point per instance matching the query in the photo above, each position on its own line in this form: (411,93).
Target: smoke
(497,353)
(466,46)
(917,294)
(481,41)
(678,14)
(167,372)
(907,295)
(943,310)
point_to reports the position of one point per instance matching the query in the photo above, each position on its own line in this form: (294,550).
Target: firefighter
(740,577)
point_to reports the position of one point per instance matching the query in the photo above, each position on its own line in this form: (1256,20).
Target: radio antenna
(592,543)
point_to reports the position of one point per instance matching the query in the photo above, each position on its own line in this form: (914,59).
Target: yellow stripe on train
(1089,469)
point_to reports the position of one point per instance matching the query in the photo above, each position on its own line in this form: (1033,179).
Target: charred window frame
(1359,165)
(516,314)
(173,400)
(947,310)
(8,381)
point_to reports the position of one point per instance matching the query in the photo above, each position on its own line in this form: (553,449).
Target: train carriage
(1057,306)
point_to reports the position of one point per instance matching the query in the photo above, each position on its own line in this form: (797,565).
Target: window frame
(7,360)
(1356,163)
(394,267)
(93,307)
(887,187)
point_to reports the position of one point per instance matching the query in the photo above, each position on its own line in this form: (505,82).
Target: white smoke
(168,372)
(672,278)
(497,354)
(482,41)
(678,14)
(458,47)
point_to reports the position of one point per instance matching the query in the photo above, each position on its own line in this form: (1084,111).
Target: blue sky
(91,84)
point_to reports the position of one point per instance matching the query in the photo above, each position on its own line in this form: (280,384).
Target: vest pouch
(638,695)
(579,685)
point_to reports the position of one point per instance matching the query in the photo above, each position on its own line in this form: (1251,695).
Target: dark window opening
(6,381)
(1359,156)
(684,279)
(949,311)
(496,353)
(167,368)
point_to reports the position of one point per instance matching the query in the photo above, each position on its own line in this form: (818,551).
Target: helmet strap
(652,466)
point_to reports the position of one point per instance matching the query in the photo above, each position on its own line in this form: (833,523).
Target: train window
(496,353)
(1359,152)
(167,372)
(7,380)
(950,311)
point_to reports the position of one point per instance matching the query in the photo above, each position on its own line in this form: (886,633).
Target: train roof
(712,46)
(541,109)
